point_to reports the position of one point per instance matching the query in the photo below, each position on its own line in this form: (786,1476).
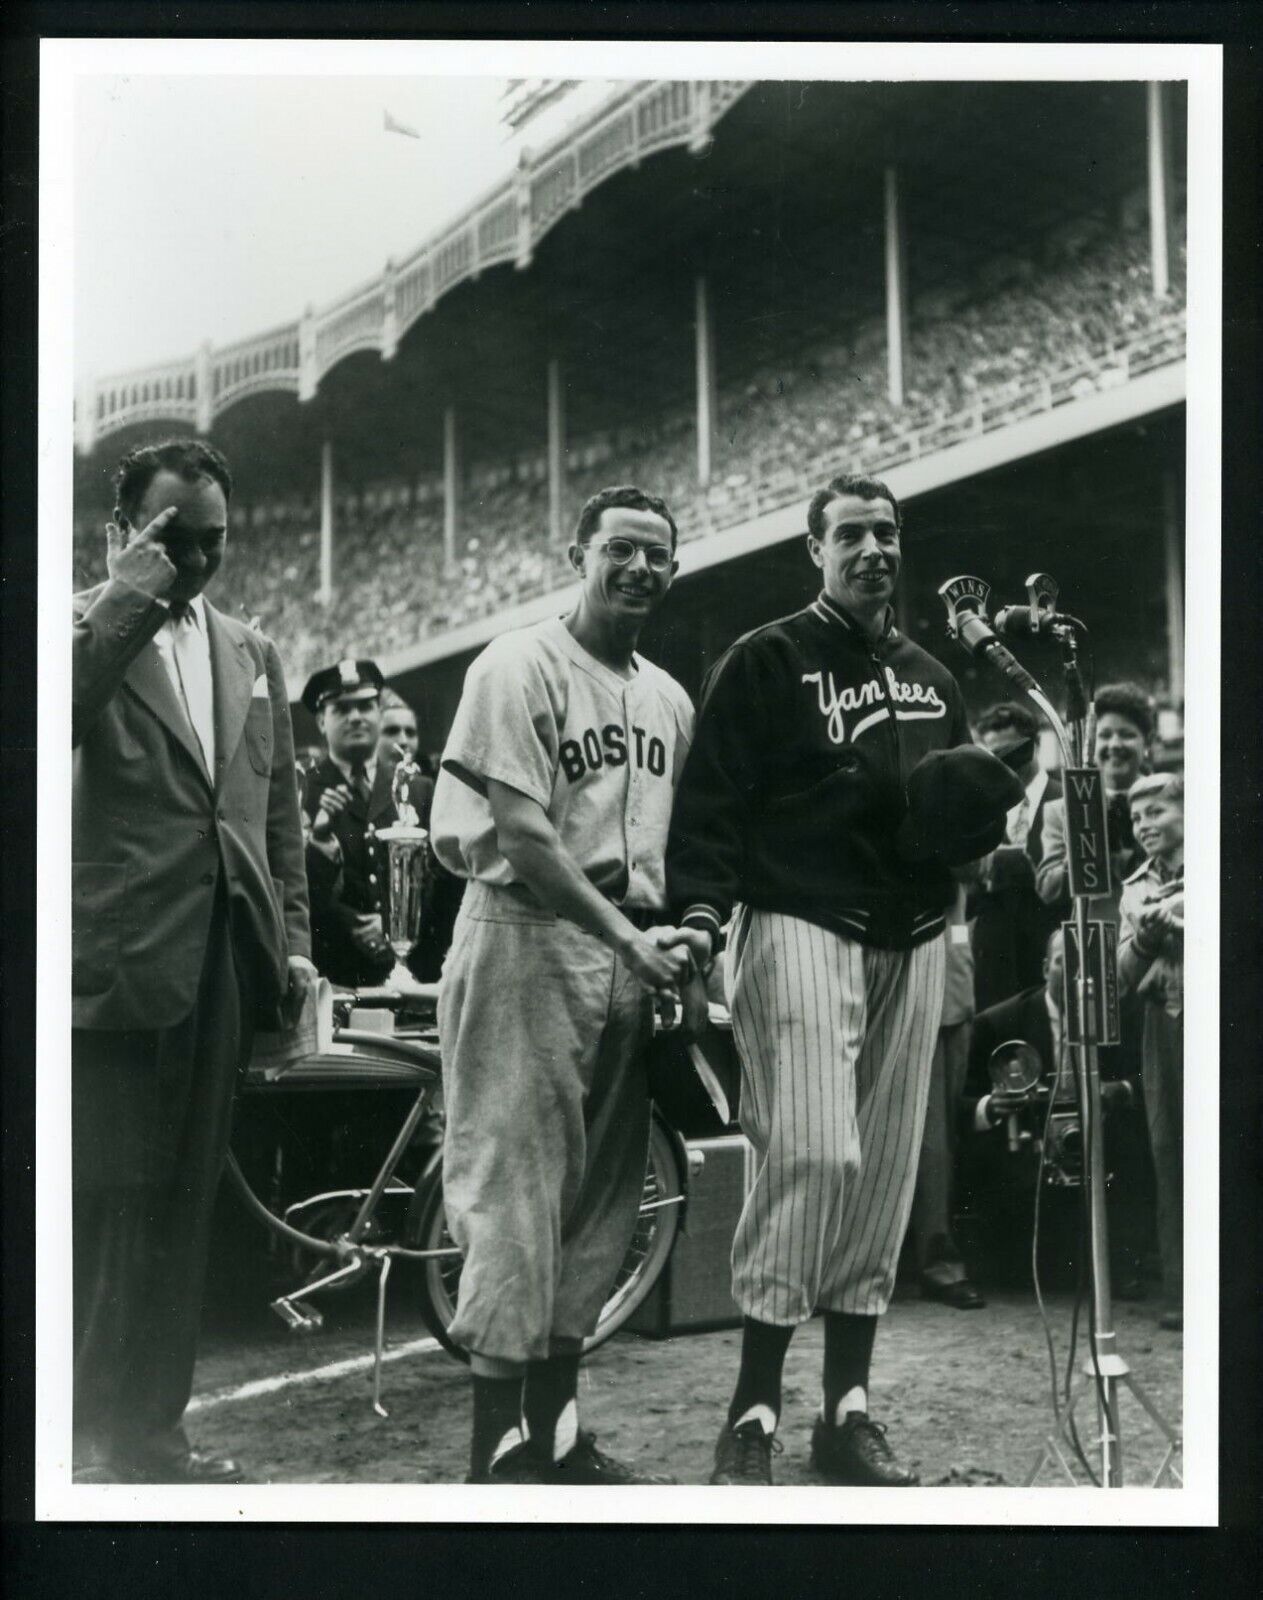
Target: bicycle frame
(350,1253)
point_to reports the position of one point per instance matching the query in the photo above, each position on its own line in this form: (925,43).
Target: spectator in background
(443,890)
(398,730)
(1151,965)
(1124,733)
(942,1271)
(1011,923)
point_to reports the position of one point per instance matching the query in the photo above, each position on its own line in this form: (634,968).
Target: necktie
(359,782)
(1019,825)
(1122,840)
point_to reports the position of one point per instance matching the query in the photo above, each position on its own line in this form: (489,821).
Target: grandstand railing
(503,226)
(480,586)
(778,484)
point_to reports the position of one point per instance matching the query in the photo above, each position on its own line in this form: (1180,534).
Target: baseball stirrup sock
(763,1347)
(550,1405)
(497,1421)
(848,1354)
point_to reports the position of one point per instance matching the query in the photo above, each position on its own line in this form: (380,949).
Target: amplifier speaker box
(694,1292)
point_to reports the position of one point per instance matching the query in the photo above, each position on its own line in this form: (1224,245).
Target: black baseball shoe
(744,1455)
(583,1463)
(855,1453)
(517,1465)
(190,1466)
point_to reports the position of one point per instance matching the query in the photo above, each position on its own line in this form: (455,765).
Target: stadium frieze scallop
(505,225)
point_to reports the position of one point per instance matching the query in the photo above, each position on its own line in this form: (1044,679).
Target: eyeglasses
(623,551)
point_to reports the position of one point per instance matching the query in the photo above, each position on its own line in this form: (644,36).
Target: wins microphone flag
(393,125)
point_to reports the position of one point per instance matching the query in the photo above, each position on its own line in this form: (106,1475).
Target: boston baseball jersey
(600,753)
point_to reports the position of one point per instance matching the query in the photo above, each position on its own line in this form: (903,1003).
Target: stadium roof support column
(556,453)
(896,292)
(705,350)
(205,399)
(325,594)
(451,487)
(1172,546)
(1159,191)
(85,419)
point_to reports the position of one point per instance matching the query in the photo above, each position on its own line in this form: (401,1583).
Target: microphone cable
(1066,1428)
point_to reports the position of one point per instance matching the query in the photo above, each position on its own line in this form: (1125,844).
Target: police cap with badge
(347,678)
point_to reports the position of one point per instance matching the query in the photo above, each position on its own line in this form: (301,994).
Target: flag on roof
(393,125)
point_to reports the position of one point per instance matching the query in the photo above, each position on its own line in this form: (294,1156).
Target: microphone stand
(1104,1367)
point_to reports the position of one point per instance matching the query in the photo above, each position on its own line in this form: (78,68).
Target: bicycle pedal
(298,1316)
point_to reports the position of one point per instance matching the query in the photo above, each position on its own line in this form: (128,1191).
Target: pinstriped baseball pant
(836,1041)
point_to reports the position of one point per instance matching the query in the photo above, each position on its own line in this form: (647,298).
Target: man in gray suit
(189,926)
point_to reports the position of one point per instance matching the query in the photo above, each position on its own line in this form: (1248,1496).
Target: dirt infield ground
(965,1395)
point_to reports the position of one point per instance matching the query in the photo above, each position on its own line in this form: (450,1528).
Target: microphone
(1022,621)
(966,601)
(1014,621)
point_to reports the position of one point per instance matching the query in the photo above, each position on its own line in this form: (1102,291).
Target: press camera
(1022,1087)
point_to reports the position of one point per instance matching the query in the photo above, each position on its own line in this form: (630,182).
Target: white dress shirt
(1018,823)
(345,768)
(184,645)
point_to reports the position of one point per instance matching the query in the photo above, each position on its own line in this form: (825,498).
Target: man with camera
(994,1168)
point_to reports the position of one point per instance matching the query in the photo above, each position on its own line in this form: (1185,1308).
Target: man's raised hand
(139,559)
(333,802)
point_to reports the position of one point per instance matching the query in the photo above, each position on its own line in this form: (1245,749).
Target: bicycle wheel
(647,1253)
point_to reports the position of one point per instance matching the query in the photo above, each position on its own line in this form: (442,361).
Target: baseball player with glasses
(553,802)
(822,807)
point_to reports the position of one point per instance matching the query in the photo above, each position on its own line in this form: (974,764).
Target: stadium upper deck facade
(682,236)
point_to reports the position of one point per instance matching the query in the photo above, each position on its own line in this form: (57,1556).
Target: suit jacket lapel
(147,677)
(1039,1028)
(1035,838)
(233,674)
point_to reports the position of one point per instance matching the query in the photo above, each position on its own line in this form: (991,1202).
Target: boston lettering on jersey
(912,701)
(608,748)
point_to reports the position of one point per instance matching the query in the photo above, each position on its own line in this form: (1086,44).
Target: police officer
(346,800)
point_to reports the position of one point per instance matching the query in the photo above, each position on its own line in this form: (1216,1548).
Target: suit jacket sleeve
(982,1041)
(1052,877)
(111,628)
(1135,958)
(284,826)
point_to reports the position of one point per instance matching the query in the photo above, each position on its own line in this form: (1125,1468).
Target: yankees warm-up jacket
(793,790)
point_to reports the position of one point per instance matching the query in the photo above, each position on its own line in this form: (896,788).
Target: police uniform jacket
(355,884)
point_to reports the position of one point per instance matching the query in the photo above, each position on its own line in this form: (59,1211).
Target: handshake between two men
(673,963)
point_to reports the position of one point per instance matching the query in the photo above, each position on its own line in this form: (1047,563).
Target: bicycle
(360,1060)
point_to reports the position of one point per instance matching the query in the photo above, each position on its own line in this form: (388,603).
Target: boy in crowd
(1151,966)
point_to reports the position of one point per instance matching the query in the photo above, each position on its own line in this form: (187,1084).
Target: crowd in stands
(1031,334)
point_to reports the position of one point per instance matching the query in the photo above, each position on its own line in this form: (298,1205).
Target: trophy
(407,863)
